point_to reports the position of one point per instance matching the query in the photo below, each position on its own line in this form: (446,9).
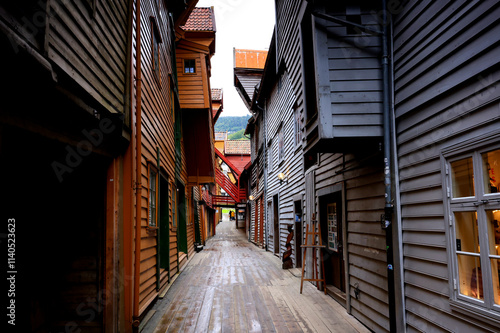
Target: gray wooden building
(399,144)
(446,97)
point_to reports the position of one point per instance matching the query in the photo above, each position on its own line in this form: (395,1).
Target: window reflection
(462,178)
(493,217)
(491,170)
(467,239)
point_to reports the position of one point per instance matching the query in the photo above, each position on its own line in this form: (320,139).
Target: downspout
(138,145)
(158,229)
(389,207)
(401,308)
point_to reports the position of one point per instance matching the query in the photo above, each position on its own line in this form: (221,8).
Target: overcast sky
(241,24)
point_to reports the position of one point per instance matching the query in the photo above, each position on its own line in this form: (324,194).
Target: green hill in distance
(232,125)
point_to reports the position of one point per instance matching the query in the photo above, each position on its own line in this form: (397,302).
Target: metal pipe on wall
(389,206)
(138,145)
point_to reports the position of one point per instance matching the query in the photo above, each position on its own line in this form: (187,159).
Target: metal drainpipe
(138,78)
(389,207)
(265,170)
(158,230)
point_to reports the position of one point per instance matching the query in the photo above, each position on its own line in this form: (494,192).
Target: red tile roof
(237,147)
(216,94)
(201,19)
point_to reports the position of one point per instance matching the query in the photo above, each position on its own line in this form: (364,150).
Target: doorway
(332,235)
(181,218)
(276,221)
(298,233)
(164,227)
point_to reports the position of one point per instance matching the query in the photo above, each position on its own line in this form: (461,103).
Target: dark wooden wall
(90,46)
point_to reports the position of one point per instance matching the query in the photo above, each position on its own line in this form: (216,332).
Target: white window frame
(486,309)
(152,198)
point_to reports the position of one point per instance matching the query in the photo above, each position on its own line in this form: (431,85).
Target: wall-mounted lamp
(251,198)
(282,178)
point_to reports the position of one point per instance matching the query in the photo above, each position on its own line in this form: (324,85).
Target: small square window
(189,66)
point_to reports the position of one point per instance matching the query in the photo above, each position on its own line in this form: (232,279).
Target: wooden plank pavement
(233,286)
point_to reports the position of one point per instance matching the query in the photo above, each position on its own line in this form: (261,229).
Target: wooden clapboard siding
(191,93)
(446,72)
(91,48)
(280,117)
(157,136)
(282,95)
(362,178)
(355,79)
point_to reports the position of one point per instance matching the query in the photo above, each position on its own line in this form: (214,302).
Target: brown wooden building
(91,124)
(195,47)
(64,126)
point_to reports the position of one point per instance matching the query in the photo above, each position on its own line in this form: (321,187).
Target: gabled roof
(248,69)
(201,19)
(237,147)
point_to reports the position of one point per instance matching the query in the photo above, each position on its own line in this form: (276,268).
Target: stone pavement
(233,286)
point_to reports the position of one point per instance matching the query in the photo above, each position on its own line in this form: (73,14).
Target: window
(297,129)
(153,182)
(270,155)
(189,66)
(474,214)
(155,47)
(281,144)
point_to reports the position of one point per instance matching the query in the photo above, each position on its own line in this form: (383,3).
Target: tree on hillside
(231,124)
(238,135)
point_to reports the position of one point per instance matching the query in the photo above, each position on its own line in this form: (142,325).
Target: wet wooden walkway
(233,286)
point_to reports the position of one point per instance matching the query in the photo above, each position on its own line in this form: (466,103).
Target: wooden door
(331,231)
(164,225)
(276,222)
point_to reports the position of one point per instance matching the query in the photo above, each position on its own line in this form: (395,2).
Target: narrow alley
(233,286)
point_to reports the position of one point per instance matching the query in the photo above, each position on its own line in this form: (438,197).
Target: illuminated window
(189,66)
(474,214)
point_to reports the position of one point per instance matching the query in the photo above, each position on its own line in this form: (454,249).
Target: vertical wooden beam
(110,313)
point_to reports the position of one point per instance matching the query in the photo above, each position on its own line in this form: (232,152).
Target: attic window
(189,66)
